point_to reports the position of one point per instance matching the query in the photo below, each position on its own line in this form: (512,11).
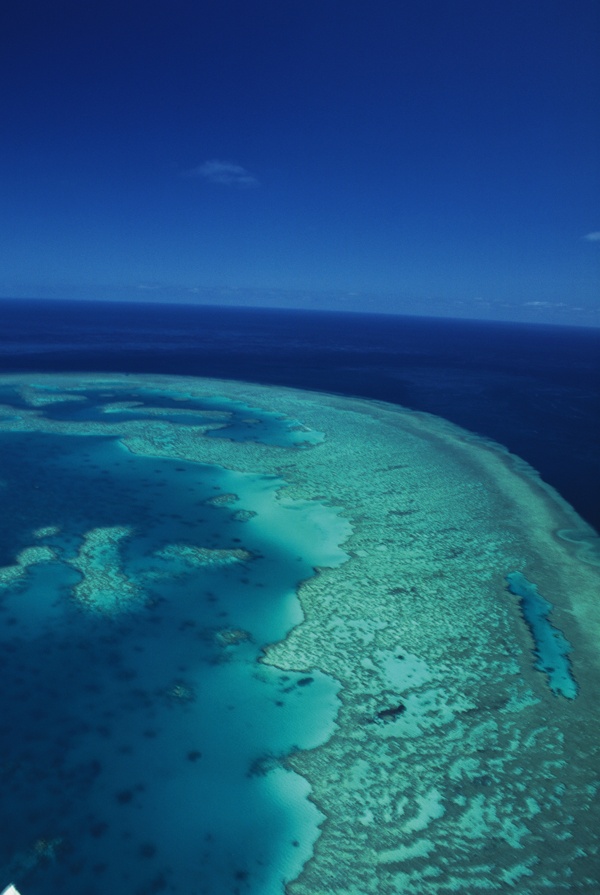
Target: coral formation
(452,766)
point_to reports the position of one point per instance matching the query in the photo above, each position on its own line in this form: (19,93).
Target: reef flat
(452,765)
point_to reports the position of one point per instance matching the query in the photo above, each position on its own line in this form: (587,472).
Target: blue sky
(426,157)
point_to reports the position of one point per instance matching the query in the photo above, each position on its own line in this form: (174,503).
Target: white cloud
(545,304)
(226,173)
(593,237)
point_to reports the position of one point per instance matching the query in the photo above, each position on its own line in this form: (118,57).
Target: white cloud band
(225,173)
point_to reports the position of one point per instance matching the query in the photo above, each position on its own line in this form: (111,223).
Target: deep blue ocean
(534,389)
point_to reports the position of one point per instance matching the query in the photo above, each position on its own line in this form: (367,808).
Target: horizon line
(423,315)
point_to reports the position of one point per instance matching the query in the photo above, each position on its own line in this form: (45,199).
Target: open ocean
(534,389)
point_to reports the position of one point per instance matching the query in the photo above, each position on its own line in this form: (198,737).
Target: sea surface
(93,764)
(534,389)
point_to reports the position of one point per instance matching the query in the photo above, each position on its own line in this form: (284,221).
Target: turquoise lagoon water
(551,646)
(141,739)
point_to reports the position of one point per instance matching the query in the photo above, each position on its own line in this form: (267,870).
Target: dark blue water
(535,389)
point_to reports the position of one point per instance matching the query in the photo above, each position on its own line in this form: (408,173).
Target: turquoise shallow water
(141,738)
(551,647)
